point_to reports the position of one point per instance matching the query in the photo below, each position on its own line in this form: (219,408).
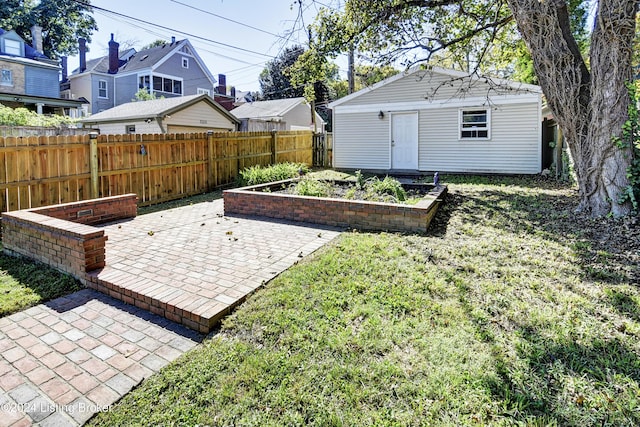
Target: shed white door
(404,141)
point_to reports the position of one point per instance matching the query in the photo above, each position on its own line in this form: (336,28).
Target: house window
(162,84)
(130,129)
(475,124)
(6,78)
(144,83)
(12,47)
(201,91)
(102,89)
(185,62)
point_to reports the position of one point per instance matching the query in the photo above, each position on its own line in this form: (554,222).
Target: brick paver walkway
(67,359)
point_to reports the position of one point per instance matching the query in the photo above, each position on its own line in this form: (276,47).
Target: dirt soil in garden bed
(349,191)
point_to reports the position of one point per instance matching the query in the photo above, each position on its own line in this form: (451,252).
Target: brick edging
(358,214)
(63,236)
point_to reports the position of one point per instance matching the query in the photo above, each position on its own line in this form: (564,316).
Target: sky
(238,49)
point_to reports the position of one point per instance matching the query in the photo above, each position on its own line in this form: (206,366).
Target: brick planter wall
(63,236)
(334,212)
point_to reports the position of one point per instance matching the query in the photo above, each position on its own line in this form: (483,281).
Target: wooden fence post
(274,146)
(211,163)
(93,164)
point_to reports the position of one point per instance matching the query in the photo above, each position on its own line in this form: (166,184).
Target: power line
(227,19)
(174,30)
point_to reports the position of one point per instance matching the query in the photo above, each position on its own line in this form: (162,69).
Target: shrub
(260,175)
(313,188)
(388,186)
(23,117)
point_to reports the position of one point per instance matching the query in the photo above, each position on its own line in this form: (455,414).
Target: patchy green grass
(513,310)
(25,283)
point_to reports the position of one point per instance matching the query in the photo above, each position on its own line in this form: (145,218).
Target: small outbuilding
(431,119)
(184,114)
(278,114)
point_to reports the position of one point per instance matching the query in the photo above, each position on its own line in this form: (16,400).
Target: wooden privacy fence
(46,170)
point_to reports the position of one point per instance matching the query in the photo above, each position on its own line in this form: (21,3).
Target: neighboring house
(170,70)
(28,78)
(433,119)
(186,114)
(242,97)
(280,114)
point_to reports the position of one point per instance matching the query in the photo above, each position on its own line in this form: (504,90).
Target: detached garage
(184,114)
(433,119)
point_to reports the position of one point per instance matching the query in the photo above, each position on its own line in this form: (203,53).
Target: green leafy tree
(588,96)
(62,22)
(275,82)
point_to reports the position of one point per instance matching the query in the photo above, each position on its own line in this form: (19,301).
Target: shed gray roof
(154,108)
(266,109)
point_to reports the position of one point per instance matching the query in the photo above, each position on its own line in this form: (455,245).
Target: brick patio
(192,265)
(65,360)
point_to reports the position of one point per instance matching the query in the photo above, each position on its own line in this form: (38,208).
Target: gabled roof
(437,70)
(29,51)
(148,57)
(267,109)
(101,65)
(132,61)
(143,110)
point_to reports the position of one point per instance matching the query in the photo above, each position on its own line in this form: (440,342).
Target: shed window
(475,124)
(130,129)
(102,89)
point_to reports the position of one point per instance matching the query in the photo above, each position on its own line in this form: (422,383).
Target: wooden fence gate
(322,149)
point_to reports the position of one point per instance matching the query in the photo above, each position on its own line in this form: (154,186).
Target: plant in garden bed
(373,189)
(255,175)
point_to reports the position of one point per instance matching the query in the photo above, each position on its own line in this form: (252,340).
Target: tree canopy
(62,22)
(275,81)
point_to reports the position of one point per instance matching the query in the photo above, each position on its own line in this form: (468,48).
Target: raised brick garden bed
(63,236)
(261,200)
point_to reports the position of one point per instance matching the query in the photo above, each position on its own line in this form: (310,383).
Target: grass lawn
(25,283)
(513,310)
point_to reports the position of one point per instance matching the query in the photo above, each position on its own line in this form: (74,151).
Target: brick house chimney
(114,60)
(82,46)
(222,84)
(36,38)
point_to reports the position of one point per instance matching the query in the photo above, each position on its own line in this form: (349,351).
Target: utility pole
(351,73)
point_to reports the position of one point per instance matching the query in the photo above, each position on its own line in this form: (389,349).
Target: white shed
(183,114)
(433,119)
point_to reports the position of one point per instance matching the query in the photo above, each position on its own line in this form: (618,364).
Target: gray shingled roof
(266,109)
(152,109)
(146,58)
(140,60)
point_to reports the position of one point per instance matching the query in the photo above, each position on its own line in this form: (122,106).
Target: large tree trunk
(590,106)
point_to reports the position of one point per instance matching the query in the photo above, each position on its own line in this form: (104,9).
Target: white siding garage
(465,124)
